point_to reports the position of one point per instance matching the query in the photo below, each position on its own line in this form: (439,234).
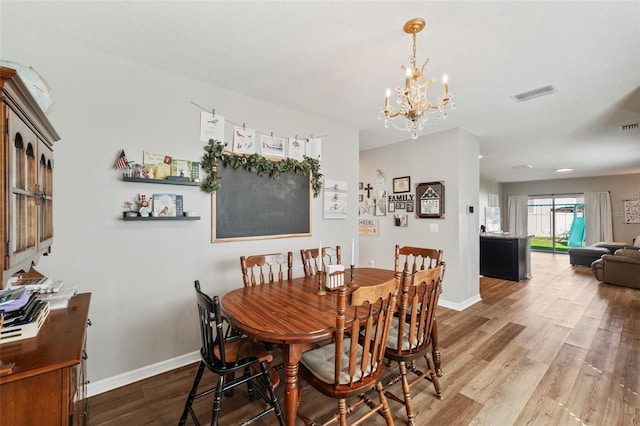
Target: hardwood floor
(558,349)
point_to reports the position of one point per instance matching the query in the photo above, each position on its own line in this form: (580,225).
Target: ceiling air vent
(628,127)
(534,93)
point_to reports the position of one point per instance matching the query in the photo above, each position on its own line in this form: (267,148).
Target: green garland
(255,163)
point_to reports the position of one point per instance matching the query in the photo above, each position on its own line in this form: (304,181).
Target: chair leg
(342,411)
(436,348)
(272,393)
(407,394)
(250,391)
(192,395)
(434,377)
(386,412)
(217,401)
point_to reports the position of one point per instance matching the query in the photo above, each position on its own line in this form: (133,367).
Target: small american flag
(122,162)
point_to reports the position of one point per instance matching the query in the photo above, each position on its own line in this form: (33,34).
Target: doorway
(556,222)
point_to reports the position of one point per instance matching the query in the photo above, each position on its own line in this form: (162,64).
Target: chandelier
(415,110)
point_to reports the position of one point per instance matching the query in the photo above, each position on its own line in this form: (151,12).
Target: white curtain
(597,217)
(518,214)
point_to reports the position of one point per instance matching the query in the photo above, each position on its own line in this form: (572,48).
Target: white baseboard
(462,305)
(105,385)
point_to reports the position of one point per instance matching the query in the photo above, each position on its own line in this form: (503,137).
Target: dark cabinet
(505,256)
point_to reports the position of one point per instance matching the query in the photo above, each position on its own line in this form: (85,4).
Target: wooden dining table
(291,314)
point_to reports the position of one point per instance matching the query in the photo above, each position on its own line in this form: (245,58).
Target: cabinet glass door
(23,146)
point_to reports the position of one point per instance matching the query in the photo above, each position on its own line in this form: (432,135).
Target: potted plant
(130,212)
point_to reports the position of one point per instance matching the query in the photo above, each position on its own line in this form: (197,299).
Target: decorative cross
(368,188)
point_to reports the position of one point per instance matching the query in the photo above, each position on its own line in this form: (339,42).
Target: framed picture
(401,184)
(400,205)
(631,211)
(380,202)
(409,206)
(430,200)
(392,207)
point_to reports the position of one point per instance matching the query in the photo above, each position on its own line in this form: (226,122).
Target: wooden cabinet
(48,385)
(26,177)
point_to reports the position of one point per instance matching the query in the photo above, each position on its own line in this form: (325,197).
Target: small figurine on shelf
(144,209)
(137,170)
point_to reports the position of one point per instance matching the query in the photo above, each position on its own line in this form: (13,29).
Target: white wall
(621,187)
(452,157)
(141,273)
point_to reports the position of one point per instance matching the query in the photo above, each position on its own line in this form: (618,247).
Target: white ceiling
(336,58)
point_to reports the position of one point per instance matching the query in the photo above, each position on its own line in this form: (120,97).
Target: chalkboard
(248,206)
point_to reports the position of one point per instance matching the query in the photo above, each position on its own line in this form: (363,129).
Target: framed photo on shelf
(430,200)
(165,205)
(401,184)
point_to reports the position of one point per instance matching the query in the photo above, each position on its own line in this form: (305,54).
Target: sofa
(621,268)
(585,256)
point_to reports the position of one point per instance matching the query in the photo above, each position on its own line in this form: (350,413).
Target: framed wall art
(401,184)
(430,200)
(631,211)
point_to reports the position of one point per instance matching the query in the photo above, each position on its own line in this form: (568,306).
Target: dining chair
(415,258)
(235,358)
(353,363)
(412,260)
(311,264)
(266,268)
(410,334)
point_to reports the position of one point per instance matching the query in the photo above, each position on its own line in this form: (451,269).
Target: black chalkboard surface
(248,206)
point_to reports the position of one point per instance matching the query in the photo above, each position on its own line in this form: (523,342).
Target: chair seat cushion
(392,341)
(321,363)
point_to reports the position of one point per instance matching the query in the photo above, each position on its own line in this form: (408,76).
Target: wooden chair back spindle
(415,259)
(312,263)
(264,268)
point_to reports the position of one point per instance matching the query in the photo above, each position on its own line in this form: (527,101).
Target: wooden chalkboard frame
(240,183)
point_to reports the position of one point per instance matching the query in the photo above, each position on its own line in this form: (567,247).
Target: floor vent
(534,93)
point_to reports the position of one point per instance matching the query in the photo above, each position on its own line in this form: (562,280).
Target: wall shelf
(160,181)
(155,218)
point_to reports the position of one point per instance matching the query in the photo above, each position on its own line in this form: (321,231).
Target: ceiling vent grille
(628,127)
(534,93)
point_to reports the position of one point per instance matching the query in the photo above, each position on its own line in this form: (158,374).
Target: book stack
(24,314)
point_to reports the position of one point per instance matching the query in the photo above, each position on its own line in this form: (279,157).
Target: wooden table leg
(436,348)
(292,355)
